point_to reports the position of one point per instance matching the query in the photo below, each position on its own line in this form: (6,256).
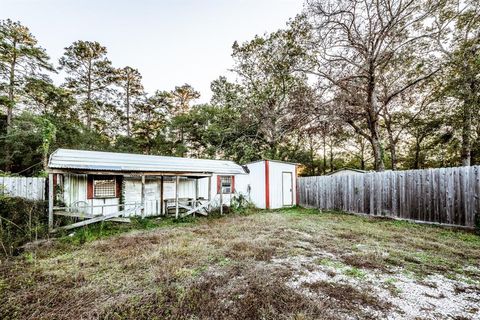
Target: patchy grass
(106,229)
(347,296)
(285,264)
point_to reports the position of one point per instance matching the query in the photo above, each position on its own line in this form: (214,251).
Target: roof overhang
(81,161)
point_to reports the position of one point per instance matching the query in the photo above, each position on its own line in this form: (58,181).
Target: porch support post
(209,191)
(221,195)
(196,195)
(177,180)
(161,195)
(50,202)
(143,196)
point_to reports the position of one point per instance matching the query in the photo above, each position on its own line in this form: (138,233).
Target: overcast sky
(171,42)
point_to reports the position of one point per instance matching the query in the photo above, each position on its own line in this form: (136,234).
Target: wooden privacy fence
(446,195)
(25,187)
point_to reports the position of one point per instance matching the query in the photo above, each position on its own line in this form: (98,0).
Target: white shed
(272,184)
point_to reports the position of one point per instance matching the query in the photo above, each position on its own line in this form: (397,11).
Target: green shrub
(21,221)
(240,204)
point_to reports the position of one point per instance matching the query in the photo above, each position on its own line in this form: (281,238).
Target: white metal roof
(128,162)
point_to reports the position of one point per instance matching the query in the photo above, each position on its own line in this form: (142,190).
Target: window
(104,188)
(226,183)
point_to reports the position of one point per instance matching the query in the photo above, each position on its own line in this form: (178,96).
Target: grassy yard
(288,264)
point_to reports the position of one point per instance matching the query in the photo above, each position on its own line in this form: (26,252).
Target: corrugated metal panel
(112,161)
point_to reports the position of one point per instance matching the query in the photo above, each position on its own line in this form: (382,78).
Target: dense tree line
(368,84)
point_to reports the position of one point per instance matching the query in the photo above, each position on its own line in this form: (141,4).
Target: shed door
(287,188)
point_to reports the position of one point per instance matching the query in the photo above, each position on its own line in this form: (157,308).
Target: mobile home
(93,184)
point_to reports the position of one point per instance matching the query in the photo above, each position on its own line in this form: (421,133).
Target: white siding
(257,183)
(240,187)
(133,193)
(75,191)
(275,175)
(251,185)
(75,195)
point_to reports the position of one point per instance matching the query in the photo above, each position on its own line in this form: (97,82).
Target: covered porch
(95,186)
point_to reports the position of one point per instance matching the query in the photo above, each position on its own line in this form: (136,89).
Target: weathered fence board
(446,195)
(25,187)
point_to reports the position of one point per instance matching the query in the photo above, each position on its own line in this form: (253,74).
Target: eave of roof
(66,159)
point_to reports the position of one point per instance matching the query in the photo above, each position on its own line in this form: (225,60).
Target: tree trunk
(377,153)
(362,155)
(372,120)
(416,162)
(10,105)
(393,149)
(331,157)
(324,169)
(391,139)
(45,160)
(418,143)
(88,110)
(466,135)
(312,156)
(128,105)
(393,155)
(11,94)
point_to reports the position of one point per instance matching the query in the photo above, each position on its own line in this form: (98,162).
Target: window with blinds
(226,184)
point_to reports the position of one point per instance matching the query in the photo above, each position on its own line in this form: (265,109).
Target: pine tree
(90,75)
(130,82)
(20,58)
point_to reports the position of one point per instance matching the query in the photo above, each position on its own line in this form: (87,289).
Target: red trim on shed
(267,185)
(233,184)
(118,186)
(218,184)
(297,198)
(89,187)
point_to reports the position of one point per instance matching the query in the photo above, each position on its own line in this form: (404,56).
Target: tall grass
(21,221)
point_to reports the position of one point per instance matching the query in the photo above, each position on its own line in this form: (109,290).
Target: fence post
(143,197)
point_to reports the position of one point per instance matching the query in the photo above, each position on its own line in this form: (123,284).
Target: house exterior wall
(252,186)
(240,187)
(256,180)
(75,195)
(132,192)
(345,172)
